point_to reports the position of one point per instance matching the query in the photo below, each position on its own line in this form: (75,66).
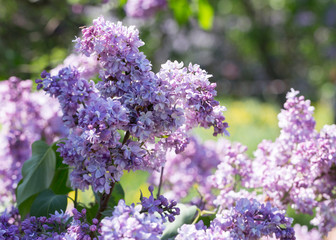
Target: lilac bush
(121,116)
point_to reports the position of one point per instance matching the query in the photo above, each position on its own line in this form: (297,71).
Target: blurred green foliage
(258,48)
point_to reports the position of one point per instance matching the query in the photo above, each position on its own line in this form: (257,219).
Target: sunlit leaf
(205,14)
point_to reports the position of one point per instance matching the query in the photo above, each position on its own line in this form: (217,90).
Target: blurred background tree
(258,48)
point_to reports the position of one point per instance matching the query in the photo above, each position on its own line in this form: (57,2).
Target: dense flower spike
(127,222)
(247,220)
(25,117)
(143,8)
(128,120)
(299,167)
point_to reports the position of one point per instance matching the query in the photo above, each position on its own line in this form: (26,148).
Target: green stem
(201,213)
(76,198)
(160,183)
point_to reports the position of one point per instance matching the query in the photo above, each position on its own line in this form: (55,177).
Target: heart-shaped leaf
(47,202)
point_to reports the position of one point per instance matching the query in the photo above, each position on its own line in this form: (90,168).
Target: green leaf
(37,172)
(24,207)
(47,202)
(60,183)
(181,10)
(205,14)
(186,217)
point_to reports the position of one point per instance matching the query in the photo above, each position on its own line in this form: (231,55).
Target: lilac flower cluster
(249,219)
(12,227)
(129,119)
(232,173)
(128,222)
(59,226)
(144,8)
(298,168)
(25,117)
(160,205)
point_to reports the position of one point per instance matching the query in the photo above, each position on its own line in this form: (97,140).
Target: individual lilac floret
(25,117)
(160,205)
(127,222)
(144,8)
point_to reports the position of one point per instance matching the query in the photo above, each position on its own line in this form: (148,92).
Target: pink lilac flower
(144,8)
(25,117)
(297,169)
(233,172)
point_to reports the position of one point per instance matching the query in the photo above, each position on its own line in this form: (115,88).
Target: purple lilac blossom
(144,8)
(127,222)
(128,120)
(42,228)
(59,226)
(80,228)
(25,117)
(160,205)
(298,168)
(248,220)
